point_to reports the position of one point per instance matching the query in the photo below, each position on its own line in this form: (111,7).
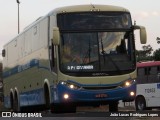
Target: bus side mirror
(143,34)
(3,53)
(56,36)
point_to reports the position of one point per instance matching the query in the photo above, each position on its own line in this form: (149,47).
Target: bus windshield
(90,53)
(96,43)
(94,20)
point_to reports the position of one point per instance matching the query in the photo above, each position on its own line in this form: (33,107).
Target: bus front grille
(100,88)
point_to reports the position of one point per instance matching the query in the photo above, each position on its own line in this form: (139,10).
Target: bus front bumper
(67,95)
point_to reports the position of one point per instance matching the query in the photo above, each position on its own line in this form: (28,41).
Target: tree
(156,55)
(145,53)
(158,40)
(147,50)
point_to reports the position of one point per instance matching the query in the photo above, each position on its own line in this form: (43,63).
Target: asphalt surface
(89,113)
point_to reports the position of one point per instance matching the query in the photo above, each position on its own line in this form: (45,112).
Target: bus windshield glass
(96,43)
(94,20)
(110,53)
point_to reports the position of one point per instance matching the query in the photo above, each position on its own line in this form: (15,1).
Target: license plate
(101,95)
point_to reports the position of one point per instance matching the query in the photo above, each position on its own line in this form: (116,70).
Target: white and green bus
(75,55)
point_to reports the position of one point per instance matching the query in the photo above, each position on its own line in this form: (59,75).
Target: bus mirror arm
(143,34)
(56,36)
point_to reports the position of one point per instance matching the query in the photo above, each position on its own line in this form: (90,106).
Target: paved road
(92,113)
(82,116)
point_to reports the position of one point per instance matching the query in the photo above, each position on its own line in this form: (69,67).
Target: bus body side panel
(27,65)
(151,92)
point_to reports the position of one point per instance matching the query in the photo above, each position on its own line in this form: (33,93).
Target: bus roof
(148,64)
(89,8)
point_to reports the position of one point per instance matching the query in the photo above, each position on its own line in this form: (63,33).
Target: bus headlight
(66,96)
(127,83)
(70,85)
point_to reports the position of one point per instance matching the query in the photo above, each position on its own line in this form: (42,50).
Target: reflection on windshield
(95,52)
(111,41)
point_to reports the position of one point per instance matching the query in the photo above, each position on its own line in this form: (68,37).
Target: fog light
(132,93)
(66,96)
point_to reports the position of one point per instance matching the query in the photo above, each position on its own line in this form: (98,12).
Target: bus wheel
(16,107)
(47,98)
(140,103)
(12,101)
(113,106)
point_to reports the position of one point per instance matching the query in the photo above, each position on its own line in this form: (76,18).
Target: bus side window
(144,76)
(53,57)
(146,71)
(158,69)
(158,77)
(140,72)
(153,70)
(158,73)
(149,70)
(140,75)
(53,60)
(152,77)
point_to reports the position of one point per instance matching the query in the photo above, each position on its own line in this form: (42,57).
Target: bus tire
(47,96)
(113,106)
(16,107)
(140,103)
(11,100)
